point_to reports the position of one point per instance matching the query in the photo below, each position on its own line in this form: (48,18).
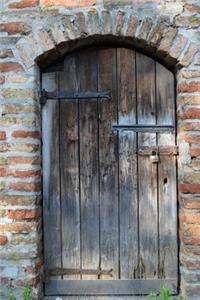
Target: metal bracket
(144,128)
(71,96)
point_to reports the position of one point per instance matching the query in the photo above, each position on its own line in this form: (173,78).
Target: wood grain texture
(69,165)
(108,155)
(127,164)
(88,127)
(51,176)
(147,172)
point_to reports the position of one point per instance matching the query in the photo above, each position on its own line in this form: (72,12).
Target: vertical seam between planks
(157,179)
(177,191)
(118,190)
(98,158)
(137,167)
(79,159)
(59,142)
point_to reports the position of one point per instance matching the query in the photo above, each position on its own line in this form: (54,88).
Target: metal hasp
(144,128)
(106,95)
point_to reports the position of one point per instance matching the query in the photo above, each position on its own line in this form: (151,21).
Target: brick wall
(29,31)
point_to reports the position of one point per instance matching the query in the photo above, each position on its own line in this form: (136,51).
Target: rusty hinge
(67,271)
(73,96)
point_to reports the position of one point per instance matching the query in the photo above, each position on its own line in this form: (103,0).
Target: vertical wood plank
(51,176)
(127,164)
(108,164)
(89,164)
(147,172)
(69,157)
(168,260)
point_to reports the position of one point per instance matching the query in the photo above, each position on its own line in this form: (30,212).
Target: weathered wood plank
(89,180)
(108,155)
(106,287)
(168,259)
(147,172)
(51,176)
(69,157)
(127,164)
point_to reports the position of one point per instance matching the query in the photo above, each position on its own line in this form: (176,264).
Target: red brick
(190,218)
(2,135)
(191,203)
(23,4)
(10,66)
(20,214)
(3,240)
(19,200)
(2,79)
(192,139)
(69,3)
(189,87)
(195,152)
(190,126)
(24,160)
(19,173)
(192,188)
(15,27)
(190,113)
(25,134)
(21,227)
(5,53)
(26,186)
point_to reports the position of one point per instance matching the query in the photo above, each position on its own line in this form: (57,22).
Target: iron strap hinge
(68,271)
(62,95)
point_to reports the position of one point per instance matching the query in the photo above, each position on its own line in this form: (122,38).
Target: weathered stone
(178,46)
(144,29)
(21,94)
(167,39)
(120,19)
(188,21)
(5,53)
(106,22)
(3,160)
(132,25)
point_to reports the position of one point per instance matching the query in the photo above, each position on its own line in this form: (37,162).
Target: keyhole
(165,180)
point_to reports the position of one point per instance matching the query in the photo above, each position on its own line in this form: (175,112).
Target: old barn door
(109,176)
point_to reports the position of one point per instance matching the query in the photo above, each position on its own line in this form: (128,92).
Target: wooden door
(109,177)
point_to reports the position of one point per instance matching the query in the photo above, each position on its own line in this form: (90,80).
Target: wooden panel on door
(147,172)
(108,156)
(89,177)
(168,257)
(128,218)
(69,165)
(51,175)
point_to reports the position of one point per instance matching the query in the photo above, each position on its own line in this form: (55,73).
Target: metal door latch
(154,157)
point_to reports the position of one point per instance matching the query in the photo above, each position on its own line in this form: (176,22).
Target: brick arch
(156,38)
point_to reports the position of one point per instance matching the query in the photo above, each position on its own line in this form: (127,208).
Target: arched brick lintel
(157,38)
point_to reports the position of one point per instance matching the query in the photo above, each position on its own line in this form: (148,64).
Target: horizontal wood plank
(107,287)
